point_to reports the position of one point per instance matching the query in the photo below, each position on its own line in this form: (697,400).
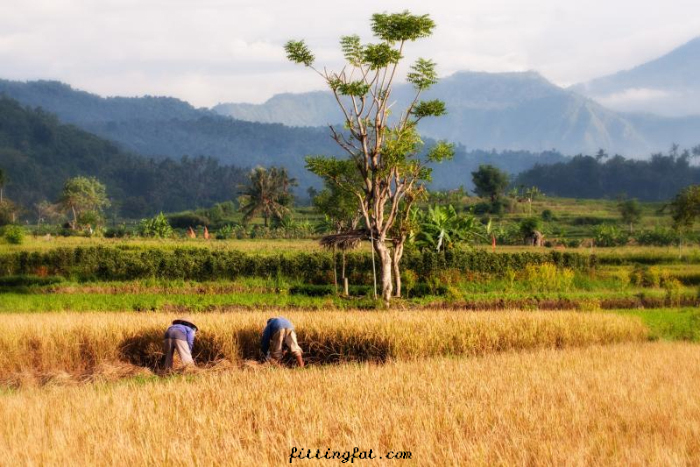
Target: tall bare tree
(386,154)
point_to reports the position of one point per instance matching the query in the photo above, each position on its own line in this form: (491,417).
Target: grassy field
(631,404)
(36,348)
(603,380)
(263,247)
(286,246)
(670,324)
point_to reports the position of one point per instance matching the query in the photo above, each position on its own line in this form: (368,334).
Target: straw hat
(187,321)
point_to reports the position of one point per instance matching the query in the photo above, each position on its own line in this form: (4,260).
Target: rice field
(626,404)
(39,348)
(607,376)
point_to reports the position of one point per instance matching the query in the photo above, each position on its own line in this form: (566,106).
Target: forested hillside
(161,127)
(38,154)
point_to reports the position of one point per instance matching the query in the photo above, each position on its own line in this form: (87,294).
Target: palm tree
(267,194)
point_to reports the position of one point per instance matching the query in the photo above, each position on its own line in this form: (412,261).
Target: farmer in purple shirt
(279,332)
(179,337)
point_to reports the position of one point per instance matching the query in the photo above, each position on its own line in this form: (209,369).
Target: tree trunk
(346,291)
(385,264)
(335,273)
(75,218)
(398,253)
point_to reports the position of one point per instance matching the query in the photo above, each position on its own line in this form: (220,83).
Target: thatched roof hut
(345,240)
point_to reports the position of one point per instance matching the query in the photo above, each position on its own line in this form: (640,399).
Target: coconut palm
(268,194)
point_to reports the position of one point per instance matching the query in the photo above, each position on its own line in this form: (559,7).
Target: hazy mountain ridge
(666,86)
(147,128)
(506,111)
(162,127)
(81,107)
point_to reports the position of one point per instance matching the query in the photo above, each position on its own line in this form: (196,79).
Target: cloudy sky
(211,51)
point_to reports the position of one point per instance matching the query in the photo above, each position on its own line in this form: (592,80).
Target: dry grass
(632,404)
(36,347)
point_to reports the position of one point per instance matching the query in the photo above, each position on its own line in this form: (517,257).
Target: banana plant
(442,228)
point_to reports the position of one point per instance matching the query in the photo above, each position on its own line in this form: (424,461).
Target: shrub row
(649,259)
(110,263)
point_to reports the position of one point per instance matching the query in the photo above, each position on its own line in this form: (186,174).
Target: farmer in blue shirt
(279,332)
(179,337)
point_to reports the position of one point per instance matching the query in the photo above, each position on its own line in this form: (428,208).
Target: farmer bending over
(180,337)
(278,332)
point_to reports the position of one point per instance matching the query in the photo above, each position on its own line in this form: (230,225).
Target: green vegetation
(85,198)
(685,207)
(267,194)
(670,324)
(33,141)
(658,178)
(131,262)
(630,212)
(490,182)
(386,157)
(14,234)
(156,227)
(441,228)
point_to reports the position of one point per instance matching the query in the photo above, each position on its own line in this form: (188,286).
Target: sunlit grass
(34,346)
(261,246)
(670,324)
(631,404)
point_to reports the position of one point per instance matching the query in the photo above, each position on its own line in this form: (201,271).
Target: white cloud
(208,51)
(634,96)
(676,103)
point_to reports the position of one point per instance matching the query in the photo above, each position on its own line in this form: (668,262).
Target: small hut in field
(343,241)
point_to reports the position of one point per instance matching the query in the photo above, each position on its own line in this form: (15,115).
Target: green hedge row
(110,263)
(650,259)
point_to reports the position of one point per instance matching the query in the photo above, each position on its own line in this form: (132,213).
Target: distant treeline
(657,179)
(457,172)
(38,154)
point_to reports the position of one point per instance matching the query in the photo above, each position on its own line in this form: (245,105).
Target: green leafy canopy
(378,56)
(432,108)
(422,74)
(352,49)
(299,52)
(399,27)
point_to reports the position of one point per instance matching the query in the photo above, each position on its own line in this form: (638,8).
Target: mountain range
(667,86)
(525,111)
(513,120)
(160,127)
